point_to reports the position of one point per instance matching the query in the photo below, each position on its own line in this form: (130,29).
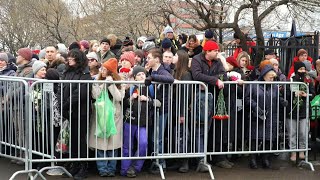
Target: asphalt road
(282,170)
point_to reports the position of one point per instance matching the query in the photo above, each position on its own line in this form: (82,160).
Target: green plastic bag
(315,107)
(105,116)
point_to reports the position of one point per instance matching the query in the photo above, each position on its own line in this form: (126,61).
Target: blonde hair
(92,42)
(113,39)
(244,54)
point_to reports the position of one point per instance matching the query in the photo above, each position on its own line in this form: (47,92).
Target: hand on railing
(220,84)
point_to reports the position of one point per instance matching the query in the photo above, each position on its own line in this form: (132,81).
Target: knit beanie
(26,53)
(210,45)
(52,74)
(297,66)
(85,44)
(148,45)
(4,57)
(37,65)
(111,65)
(308,65)
(166,43)
(301,52)
(129,56)
(138,69)
(231,60)
(167,29)
(42,54)
(208,34)
(92,55)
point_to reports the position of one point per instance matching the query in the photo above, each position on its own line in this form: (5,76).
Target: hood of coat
(264,71)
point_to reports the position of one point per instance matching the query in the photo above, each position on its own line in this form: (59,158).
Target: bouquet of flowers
(234,76)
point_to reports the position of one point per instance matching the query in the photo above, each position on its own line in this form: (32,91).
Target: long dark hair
(80,59)
(182,64)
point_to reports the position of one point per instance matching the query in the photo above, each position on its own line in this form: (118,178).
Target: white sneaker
(55,172)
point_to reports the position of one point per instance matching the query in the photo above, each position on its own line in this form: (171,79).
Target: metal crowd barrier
(272,130)
(162,135)
(150,126)
(14,100)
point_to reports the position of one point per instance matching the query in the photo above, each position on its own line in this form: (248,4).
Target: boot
(184,168)
(83,172)
(73,168)
(253,161)
(265,161)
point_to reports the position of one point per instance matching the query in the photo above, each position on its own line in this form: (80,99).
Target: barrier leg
(54,167)
(209,167)
(25,172)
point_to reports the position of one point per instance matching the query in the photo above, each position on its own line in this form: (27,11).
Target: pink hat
(129,56)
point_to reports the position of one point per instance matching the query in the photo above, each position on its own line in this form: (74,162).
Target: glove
(156,103)
(284,103)
(148,80)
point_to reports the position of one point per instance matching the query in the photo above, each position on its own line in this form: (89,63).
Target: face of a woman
(95,47)
(104,72)
(71,61)
(243,62)
(303,57)
(42,73)
(2,63)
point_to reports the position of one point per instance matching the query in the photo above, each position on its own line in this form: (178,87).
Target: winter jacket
(8,71)
(295,59)
(163,76)
(201,71)
(59,65)
(76,100)
(109,54)
(116,95)
(293,106)
(25,70)
(139,109)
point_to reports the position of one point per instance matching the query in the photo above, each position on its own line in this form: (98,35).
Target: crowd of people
(182,58)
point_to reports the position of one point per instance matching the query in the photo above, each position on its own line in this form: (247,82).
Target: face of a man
(51,53)
(2,63)
(141,76)
(167,58)
(212,54)
(151,61)
(104,46)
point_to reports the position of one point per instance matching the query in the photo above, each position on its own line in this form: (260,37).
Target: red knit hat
(231,60)
(129,56)
(210,45)
(26,53)
(111,65)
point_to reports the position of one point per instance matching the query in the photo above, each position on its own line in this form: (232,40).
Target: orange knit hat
(111,65)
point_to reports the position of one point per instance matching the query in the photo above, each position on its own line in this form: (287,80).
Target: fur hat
(37,65)
(129,56)
(111,65)
(210,45)
(301,52)
(26,53)
(4,57)
(166,43)
(138,69)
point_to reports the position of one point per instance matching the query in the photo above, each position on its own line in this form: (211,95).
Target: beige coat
(115,141)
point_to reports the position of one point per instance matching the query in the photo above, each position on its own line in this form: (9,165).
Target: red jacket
(295,59)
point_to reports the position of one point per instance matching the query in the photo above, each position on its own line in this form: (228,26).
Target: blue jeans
(109,165)
(163,118)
